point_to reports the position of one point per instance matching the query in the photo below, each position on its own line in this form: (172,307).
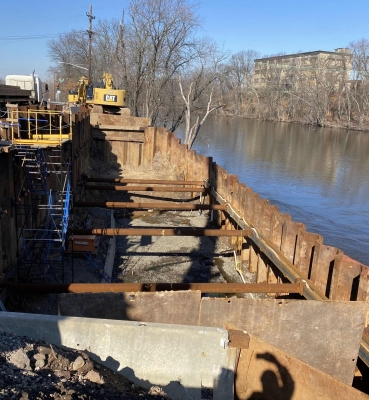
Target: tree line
(173,75)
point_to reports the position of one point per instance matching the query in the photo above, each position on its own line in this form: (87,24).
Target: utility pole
(90,33)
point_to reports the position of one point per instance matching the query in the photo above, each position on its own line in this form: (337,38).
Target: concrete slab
(180,359)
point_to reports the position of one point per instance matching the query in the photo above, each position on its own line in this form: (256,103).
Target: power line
(33,37)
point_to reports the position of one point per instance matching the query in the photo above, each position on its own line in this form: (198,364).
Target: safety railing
(40,126)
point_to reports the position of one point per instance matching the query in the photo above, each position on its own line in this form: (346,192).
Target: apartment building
(286,70)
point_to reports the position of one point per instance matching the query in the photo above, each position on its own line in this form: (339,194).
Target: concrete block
(180,359)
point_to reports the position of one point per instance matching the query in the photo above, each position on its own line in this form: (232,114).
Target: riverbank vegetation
(173,75)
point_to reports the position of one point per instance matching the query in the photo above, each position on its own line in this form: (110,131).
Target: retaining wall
(336,275)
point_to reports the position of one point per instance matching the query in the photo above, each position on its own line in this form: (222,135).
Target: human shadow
(274,387)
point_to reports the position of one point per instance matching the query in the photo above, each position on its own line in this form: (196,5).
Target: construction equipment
(104,98)
(79,95)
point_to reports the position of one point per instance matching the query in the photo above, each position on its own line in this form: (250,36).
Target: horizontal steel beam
(157,287)
(311,292)
(145,181)
(147,188)
(154,206)
(160,232)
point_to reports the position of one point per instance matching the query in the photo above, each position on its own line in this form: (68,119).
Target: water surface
(317,175)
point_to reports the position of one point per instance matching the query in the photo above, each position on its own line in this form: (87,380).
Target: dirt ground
(165,259)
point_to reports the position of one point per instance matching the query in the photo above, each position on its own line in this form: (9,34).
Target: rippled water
(318,175)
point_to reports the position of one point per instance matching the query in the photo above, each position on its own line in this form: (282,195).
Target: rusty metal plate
(266,372)
(164,307)
(238,339)
(324,334)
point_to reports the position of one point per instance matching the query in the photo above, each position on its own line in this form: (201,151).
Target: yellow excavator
(102,98)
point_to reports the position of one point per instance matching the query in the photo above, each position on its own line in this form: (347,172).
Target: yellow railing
(43,127)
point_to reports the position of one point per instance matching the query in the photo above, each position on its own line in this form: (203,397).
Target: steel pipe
(147,188)
(157,206)
(156,287)
(145,181)
(160,232)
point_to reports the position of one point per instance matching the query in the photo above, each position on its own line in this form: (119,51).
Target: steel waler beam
(157,287)
(147,188)
(310,292)
(145,181)
(161,232)
(154,206)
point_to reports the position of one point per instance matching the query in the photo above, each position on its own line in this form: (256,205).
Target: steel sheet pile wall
(119,138)
(81,131)
(336,275)
(8,246)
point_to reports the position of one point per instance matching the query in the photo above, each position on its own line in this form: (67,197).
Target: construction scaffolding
(42,169)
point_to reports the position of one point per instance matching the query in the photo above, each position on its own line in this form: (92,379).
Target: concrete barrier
(180,359)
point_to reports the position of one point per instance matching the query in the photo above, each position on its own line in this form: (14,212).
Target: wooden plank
(180,307)
(324,334)
(266,372)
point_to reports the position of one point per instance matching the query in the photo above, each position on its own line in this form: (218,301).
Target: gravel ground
(36,370)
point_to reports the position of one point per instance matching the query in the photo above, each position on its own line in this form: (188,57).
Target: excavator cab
(107,99)
(101,98)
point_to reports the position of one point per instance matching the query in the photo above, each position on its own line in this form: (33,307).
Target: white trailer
(28,82)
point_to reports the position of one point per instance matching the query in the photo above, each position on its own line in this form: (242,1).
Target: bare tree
(192,129)
(198,79)
(159,40)
(239,76)
(360,58)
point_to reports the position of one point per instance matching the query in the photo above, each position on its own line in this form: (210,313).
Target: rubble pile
(36,370)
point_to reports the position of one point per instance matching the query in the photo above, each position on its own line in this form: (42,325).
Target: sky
(266,26)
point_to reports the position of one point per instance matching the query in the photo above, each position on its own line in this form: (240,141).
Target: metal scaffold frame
(43,200)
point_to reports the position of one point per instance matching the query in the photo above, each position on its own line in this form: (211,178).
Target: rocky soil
(31,370)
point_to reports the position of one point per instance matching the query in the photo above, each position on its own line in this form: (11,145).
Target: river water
(317,175)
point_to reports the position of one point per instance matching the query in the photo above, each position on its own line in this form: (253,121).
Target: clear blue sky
(266,26)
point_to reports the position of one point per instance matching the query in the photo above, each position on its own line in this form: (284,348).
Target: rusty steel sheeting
(145,181)
(310,291)
(161,232)
(290,271)
(157,287)
(147,188)
(157,206)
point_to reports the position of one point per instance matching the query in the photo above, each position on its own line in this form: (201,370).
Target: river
(320,176)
